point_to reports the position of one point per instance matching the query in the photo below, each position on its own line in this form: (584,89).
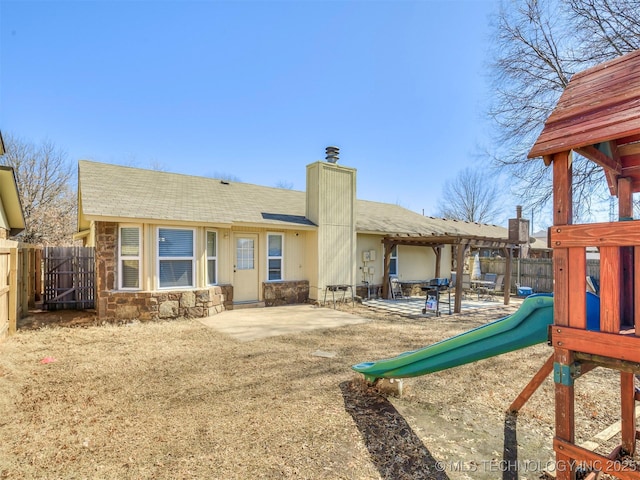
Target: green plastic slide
(527,326)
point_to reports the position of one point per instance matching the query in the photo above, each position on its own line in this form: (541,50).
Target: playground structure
(598,117)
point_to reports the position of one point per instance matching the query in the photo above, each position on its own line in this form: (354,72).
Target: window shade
(129,241)
(175,243)
(275,245)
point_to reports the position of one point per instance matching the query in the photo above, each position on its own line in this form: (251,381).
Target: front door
(245,268)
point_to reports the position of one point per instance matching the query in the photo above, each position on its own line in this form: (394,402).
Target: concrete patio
(413,306)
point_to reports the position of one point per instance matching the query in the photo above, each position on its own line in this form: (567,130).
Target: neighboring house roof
(540,243)
(116,193)
(11,200)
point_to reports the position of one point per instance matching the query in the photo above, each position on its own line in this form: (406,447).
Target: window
(274,256)
(212,258)
(244,254)
(129,271)
(393,265)
(175,258)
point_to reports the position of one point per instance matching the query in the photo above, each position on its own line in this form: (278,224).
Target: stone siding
(371,291)
(285,293)
(164,305)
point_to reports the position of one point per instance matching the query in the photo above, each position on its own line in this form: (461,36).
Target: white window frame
(214,257)
(274,257)
(192,258)
(394,257)
(122,257)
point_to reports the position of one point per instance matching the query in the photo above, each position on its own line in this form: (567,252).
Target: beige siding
(331,205)
(311,263)
(312,206)
(4,223)
(225,256)
(369,243)
(414,263)
(294,256)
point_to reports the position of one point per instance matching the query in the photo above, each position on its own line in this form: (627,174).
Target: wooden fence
(69,278)
(20,282)
(536,273)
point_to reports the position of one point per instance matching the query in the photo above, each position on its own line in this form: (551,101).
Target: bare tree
(49,204)
(284,184)
(472,196)
(606,28)
(539,45)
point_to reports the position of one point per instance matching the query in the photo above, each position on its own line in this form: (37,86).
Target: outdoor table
(476,285)
(337,288)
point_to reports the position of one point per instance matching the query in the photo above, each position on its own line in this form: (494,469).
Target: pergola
(462,243)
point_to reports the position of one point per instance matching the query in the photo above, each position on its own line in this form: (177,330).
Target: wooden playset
(598,117)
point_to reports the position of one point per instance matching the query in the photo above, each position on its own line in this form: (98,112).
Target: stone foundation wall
(285,293)
(373,291)
(149,306)
(414,289)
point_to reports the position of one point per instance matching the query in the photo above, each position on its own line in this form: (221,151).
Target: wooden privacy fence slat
(69,278)
(19,272)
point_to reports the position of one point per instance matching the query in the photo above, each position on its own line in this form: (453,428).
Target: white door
(245,268)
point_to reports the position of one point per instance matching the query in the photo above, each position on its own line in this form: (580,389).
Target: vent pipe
(332,154)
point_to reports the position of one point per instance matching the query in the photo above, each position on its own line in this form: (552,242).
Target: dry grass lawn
(180,400)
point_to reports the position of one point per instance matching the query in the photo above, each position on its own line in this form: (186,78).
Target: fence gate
(69,278)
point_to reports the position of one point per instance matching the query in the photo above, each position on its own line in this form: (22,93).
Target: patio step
(239,305)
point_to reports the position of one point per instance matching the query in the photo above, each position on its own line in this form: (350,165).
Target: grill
(436,287)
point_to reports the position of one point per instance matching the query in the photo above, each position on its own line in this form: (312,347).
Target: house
(11,223)
(540,245)
(170,245)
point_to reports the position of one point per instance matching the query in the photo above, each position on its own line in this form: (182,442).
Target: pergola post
(457,303)
(507,275)
(388,246)
(438,252)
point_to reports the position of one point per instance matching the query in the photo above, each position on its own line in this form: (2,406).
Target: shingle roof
(124,192)
(387,218)
(113,191)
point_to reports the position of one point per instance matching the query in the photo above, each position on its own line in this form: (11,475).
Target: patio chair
(496,287)
(486,288)
(466,284)
(500,284)
(396,288)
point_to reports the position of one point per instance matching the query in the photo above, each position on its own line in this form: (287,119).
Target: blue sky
(255,90)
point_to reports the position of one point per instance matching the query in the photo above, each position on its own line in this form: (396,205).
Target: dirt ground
(180,400)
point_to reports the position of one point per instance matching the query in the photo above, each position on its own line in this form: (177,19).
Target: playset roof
(598,116)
